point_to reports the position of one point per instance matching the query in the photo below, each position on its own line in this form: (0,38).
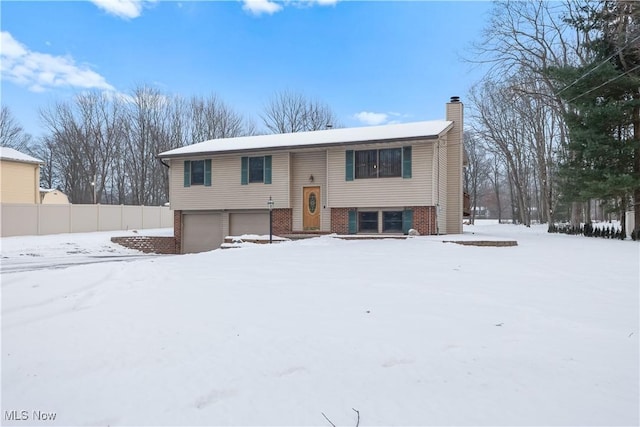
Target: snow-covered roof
(7,153)
(403,131)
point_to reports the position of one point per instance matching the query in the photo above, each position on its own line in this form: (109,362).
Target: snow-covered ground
(407,332)
(27,253)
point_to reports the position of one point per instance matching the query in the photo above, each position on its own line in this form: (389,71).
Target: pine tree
(602,158)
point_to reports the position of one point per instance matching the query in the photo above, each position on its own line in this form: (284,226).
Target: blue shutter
(187,173)
(353,224)
(244,170)
(407,220)
(349,165)
(267,169)
(207,173)
(406,162)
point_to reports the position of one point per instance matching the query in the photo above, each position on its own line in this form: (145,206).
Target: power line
(598,66)
(637,67)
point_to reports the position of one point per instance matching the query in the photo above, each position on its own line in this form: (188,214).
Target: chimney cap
(455,99)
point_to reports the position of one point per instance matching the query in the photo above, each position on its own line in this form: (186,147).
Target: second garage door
(201,232)
(249,223)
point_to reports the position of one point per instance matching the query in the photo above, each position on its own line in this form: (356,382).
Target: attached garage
(201,232)
(248,223)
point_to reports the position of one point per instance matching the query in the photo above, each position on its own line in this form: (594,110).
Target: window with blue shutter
(207,173)
(406,162)
(197,172)
(187,173)
(349,165)
(244,170)
(407,220)
(353,224)
(267,169)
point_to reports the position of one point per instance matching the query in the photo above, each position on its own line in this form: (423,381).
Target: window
(386,163)
(390,163)
(197,172)
(392,222)
(368,222)
(256,169)
(366,164)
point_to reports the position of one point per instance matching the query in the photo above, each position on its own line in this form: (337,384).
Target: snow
(407,332)
(427,129)
(7,153)
(26,253)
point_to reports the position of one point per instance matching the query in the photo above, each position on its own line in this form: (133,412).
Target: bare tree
(289,112)
(83,142)
(521,41)
(12,135)
(476,174)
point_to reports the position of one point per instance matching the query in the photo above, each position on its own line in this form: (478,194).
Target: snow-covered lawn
(407,332)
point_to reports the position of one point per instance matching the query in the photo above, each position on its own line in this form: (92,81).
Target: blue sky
(371,62)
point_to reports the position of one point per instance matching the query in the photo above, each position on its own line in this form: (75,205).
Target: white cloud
(258,7)
(127,9)
(372,119)
(42,71)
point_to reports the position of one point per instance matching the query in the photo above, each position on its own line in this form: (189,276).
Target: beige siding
(388,192)
(19,182)
(454,168)
(226,191)
(303,165)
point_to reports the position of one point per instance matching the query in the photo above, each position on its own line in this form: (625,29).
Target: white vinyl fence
(19,219)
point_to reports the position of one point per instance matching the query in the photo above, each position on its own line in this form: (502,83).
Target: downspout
(163,163)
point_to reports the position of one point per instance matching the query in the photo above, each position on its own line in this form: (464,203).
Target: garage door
(249,223)
(201,232)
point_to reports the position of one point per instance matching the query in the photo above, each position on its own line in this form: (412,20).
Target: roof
(404,131)
(7,153)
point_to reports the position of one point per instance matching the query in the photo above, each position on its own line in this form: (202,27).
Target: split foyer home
(19,177)
(369,180)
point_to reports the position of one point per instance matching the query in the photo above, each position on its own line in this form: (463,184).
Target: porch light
(270,203)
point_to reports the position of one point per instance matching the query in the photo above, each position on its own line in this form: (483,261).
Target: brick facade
(424,219)
(177,231)
(340,220)
(147,244)
(282,221)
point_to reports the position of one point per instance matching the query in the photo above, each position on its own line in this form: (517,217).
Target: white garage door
(201,232)
(249,223)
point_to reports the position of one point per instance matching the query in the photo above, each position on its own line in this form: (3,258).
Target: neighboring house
(378,179)
(53,197)
(19,177)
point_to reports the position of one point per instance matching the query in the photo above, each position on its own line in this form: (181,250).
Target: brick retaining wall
(148,244)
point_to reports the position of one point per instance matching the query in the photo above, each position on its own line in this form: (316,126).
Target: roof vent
(455,99)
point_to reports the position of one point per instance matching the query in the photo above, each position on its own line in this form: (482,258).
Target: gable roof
(404,131)
(7,153)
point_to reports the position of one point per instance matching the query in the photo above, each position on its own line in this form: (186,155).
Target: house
(370,180)
(19,177)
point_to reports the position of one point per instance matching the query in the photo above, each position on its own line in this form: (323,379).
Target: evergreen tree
(602,158)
